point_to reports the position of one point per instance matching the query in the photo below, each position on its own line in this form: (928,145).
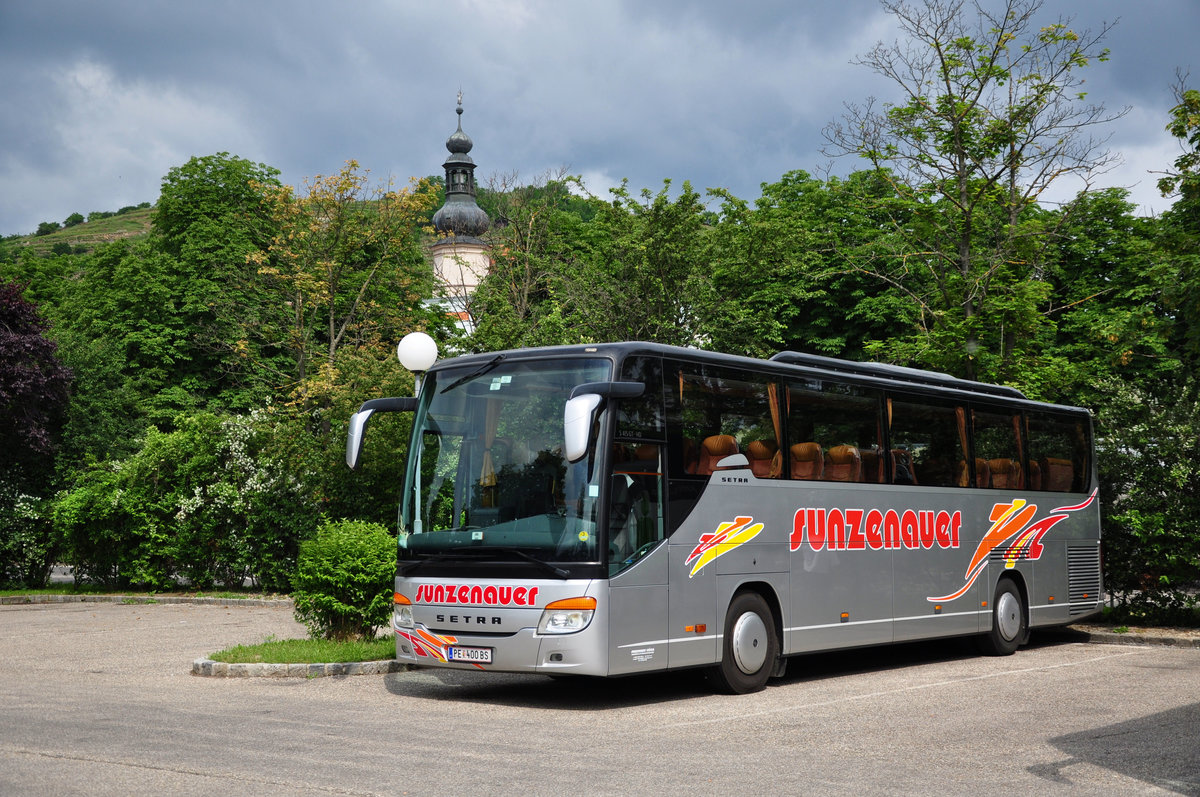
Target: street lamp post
(417,352)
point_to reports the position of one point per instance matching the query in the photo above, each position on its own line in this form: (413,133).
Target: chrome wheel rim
(1008,616)
(749,643)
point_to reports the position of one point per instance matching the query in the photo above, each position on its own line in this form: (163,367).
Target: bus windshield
(489,476)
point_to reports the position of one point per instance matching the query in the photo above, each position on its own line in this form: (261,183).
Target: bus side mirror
(358,422)
(578,417)
(580,412)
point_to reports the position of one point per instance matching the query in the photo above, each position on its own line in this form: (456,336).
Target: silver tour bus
(631,507)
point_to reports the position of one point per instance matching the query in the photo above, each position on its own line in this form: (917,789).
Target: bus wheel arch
(1010,618)
(750,642)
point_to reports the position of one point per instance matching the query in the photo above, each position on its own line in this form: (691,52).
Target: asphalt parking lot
(99,699)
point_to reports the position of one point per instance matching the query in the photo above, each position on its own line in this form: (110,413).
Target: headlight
(567,616)
(402,615)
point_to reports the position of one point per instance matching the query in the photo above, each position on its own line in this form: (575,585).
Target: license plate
(473,655)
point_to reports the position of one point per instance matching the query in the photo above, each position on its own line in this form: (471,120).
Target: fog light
(567,616)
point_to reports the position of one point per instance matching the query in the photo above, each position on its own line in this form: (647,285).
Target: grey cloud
(721,94)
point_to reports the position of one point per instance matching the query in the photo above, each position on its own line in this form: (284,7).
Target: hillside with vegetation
(80,235)
(177,405)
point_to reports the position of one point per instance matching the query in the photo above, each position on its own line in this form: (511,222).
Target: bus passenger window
(928,442)
(998,444)
(714,413)
(840,420)
(1058,453)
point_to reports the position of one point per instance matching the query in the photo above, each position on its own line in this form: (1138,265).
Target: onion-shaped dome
(460,216)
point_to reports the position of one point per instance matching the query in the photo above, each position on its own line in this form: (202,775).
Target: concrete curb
(23,600)
(1136,637)
(219,669)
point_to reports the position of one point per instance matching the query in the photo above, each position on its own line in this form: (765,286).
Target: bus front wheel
(1008,621)
(750,646)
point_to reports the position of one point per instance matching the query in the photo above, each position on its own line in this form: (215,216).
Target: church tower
(460,257)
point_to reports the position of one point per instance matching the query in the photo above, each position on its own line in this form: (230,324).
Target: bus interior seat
(983,473)
(1005,474)
(713,450)
(1057,474)
(872,465)
(843,464)
(761,454)
(808,461)
(1035,475)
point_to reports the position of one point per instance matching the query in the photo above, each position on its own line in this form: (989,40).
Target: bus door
(637,562)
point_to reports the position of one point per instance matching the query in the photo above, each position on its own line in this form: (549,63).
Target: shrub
(343,584)
(204,504)
(27,543)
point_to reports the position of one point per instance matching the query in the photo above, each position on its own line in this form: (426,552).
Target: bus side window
(711,413)
(1058,455)
(928,443)
(998,444)
(839,422)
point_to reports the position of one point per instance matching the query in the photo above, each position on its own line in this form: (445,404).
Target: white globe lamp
(417,352)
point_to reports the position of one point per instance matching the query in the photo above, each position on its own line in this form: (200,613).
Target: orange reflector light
(579,604)
(700,629)
(845,616)
(983,604)
(1052,599)
(1085,594)
(689,629)
(400,599)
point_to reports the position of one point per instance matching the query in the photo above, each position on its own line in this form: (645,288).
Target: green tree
(211,217)
(214,192)
(1181,224)
(778,275)
(346,271)
(132,298)
(1150,471)
(639,272)
(33,394)
(537,229)
(991,115)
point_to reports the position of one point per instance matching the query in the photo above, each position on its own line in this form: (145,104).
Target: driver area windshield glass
(489,470)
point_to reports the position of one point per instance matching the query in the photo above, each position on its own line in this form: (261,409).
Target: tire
(750,647)
(1009,626)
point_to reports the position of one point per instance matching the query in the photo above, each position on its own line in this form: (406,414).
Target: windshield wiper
(480,371)
(558,571)
(481,552)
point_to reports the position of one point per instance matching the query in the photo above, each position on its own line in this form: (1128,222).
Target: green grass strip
(91,589)
(308,651)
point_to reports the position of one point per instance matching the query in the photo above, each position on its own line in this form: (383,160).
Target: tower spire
(460,216)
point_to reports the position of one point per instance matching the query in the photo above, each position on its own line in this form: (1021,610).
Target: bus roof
(783,362)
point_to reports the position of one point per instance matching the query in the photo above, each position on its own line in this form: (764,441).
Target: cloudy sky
(99,100)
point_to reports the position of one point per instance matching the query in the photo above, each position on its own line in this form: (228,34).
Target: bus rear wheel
(1008,621)
(750,647)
